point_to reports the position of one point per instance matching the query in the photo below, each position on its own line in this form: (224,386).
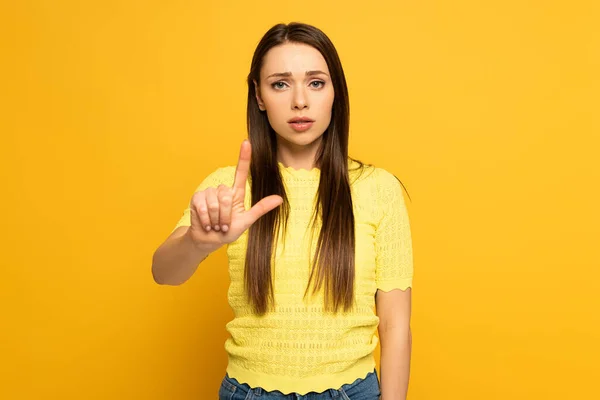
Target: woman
(294,177)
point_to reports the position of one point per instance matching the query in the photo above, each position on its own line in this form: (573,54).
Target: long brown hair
(333,262)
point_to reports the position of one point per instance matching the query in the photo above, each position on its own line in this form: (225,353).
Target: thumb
(262,207)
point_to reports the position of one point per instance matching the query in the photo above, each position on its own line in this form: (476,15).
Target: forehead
(296,58)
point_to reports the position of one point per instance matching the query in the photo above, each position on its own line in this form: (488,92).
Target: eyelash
(276,88)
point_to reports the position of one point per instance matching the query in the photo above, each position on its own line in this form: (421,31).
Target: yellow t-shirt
(300,347)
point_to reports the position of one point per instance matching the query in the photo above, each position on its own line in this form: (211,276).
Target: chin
(301,138)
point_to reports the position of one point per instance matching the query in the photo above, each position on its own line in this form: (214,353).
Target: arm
(219,201)
(393,310)
(393,275)
(178,257)
(176,260)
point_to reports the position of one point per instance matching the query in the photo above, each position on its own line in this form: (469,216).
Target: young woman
(298,213)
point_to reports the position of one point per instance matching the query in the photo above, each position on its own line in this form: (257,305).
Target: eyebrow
(285,74)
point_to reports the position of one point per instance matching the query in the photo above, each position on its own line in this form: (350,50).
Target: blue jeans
(360,389)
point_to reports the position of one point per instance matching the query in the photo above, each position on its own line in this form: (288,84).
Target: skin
(394,310)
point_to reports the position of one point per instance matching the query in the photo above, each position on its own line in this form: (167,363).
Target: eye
(274,85)
(319,82)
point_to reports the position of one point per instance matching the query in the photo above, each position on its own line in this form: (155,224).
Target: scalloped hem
(401,284)
(302,386)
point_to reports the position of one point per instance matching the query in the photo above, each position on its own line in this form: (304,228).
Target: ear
(261,105)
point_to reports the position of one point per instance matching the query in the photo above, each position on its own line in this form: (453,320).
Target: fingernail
(225,228)
(207,228)
(217,227)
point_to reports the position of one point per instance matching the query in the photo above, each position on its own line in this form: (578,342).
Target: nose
(299,100)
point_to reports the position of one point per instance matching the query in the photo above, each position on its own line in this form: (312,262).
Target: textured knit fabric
(300,347)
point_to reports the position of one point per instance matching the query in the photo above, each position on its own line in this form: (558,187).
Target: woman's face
(295,82)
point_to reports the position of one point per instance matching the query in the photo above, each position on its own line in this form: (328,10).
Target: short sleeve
(223,175)
(393,241)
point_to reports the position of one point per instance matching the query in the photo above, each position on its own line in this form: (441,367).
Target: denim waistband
(331,393)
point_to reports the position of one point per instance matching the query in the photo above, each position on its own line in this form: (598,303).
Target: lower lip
(301,127)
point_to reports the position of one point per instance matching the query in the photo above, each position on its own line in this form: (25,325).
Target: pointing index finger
(241,171)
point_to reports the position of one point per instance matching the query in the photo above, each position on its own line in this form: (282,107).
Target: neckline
(313,172)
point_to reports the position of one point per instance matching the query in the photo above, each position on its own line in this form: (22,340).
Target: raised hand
(218,215)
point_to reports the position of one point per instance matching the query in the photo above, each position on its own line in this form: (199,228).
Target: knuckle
(198,205)
(196,198)
(225,199)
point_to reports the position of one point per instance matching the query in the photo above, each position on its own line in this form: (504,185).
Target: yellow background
(113,112)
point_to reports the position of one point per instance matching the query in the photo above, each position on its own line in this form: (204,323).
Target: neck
(298,156)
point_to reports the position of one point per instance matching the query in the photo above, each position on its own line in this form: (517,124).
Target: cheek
(327,106)
(328,101)
(275,104)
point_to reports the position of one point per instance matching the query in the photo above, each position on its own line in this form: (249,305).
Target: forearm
(396,344)
(176,260)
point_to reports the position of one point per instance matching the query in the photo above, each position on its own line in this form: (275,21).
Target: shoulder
(221,175)
(384,186)
(389,188)
(386,180)
(360,173)
(372,175)
(375,188)
(227,171)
